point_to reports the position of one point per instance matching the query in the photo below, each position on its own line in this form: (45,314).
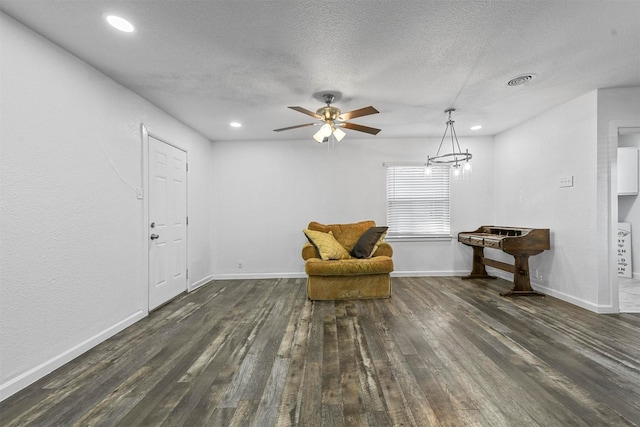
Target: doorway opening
(628,237)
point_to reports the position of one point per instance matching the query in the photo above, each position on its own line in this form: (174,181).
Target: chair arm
(309,251)
(384,249)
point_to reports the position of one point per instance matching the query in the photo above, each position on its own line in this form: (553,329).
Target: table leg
(521,279)
(478,271)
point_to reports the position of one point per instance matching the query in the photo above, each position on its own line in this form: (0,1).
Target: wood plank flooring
(439,352)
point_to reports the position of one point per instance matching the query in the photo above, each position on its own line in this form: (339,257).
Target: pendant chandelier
(457,159)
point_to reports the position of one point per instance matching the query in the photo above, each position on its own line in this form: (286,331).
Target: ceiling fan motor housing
(328,113)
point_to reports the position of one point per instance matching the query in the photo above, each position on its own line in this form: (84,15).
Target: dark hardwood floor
(440,352)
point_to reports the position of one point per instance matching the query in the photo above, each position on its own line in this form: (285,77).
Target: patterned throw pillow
(327,245)
(369,242)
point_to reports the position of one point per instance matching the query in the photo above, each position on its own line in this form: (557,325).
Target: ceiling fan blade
(295,127)
(307,112)
(358,113)
(360,128)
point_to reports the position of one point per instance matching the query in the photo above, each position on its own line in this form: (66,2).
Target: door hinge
(187,220)
(187,273)
(187,165)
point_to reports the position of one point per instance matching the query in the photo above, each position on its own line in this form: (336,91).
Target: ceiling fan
(332,119)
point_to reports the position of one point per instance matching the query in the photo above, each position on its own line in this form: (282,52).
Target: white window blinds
(418,204)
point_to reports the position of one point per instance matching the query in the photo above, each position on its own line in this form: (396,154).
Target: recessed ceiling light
(235,124)
(120,23)
(476,127)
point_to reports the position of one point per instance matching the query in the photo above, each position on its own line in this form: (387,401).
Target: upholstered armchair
(347,261)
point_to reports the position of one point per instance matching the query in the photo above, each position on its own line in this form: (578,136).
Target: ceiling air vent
(520,80)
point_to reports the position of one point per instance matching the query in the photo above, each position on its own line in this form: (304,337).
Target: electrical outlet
(566,181)
(139,193)
(538,275)
(240,265)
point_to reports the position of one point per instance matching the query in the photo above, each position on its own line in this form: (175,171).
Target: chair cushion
(349,267)
(328,247)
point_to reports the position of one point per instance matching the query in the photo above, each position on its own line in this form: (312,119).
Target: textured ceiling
(211,62)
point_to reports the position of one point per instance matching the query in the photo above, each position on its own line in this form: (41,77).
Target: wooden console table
(521,243)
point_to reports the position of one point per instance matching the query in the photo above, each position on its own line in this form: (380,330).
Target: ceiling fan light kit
(333,119)
(460,161)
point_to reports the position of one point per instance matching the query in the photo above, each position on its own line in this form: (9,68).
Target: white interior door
(167,222)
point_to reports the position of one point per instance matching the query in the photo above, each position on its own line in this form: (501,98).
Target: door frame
(612,211)
(145,211)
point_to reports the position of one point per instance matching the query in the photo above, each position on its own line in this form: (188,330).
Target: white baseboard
(200,282)
(442,273)
(249,276)
(588,305)
(509,277)
(16,384)
(537,286)
(246,276)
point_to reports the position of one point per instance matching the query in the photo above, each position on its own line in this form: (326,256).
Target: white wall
(266,192)
(629,208)
(569,140)
(73,242)
(533,157)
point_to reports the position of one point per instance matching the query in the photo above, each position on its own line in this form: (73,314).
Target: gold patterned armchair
(347,261)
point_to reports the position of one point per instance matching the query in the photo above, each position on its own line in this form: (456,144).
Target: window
(417,204)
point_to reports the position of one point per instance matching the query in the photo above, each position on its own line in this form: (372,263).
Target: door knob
(154,236)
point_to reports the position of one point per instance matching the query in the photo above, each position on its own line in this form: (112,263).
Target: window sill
(439,238)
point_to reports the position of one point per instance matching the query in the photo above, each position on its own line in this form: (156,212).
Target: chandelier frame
(455,158)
